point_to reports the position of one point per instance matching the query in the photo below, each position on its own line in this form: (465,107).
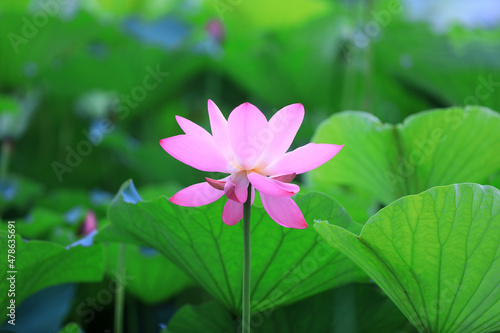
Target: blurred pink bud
(89,224)
(216,30)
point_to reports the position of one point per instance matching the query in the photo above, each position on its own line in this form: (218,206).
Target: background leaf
(44,311)
(438,147)
(71,328)
(155,278)
(352,308)
(204,318)
(42,264)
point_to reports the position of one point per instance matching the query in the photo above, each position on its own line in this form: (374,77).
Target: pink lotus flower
(253,151)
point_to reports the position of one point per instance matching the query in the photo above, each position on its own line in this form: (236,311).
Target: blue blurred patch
(8,189)
(85,241)
(130,194)
(100,198)
(74,215)
(98,50)
(28,219)
(147,251)
(169,33)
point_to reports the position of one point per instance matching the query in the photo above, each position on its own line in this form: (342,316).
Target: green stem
(245,318)
(120,290)
(5,158)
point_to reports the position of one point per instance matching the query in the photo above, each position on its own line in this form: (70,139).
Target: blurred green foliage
(322,54)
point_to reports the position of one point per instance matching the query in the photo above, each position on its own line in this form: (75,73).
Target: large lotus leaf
(435,254)
(287,264)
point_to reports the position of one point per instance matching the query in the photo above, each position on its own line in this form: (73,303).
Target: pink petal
(284,126)
(195,151)
(191,128)
(285,178)
(249,134)
(232,212)
(218,124)
(217,184)
(229,189)
(236,187)
(271,186)
(240,181)
(196,195)
(303,159)
(284,211)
